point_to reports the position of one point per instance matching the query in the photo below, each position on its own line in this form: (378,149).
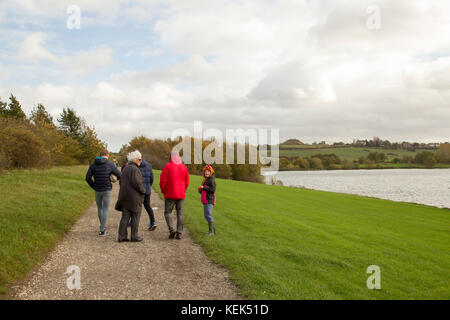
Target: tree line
(372,160)
(36,141)
(157,152)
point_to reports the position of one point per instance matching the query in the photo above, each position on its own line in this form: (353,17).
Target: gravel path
(157,268)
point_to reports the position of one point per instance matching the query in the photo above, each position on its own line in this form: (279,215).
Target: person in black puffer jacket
(101,171)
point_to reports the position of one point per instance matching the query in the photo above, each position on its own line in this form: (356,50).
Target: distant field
(346,153)
(38,207)
(290,243)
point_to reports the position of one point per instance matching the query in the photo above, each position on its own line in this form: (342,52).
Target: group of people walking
(136,180)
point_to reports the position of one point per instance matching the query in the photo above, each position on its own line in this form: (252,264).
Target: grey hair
(135,155)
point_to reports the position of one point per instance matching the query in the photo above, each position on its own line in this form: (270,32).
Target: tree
(301,163)
(71,124)
(423,156)
(315,163)
(75,127)
(15,109)
(12,110)
(91,144)
(443,153)
(40,117)
(3,108)
(429,161)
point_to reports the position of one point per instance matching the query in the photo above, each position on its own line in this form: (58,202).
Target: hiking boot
(178,236)
(172,234)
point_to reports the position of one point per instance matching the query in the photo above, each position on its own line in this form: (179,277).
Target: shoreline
(382,168)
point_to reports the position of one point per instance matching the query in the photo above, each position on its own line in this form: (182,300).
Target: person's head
(104,153)
(208,171)
(175,157)
(135,157)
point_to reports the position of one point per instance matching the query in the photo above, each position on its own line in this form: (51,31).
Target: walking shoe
(152,226)
(138,239)
(178,236)
(172,234)
(123,240)
(102,233)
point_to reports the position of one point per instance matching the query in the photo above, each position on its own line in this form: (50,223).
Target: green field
(38,207)
(345,153)
(289,243)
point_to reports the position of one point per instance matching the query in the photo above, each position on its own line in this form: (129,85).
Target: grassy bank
(346,153)
(38,207)
(289,243)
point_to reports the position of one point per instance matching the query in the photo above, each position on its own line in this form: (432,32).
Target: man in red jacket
(173,182)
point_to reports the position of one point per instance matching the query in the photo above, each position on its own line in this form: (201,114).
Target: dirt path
(157,268)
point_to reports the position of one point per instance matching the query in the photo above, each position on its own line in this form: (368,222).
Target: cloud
(311,68)
(32,50)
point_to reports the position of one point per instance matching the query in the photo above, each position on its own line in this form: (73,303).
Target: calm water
(425,186)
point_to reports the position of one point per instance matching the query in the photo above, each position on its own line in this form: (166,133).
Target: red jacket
(174,179)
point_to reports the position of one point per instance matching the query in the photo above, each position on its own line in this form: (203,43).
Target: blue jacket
(147,176)
(101,169)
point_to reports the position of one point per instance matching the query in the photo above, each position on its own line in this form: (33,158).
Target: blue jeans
(207,210)
(102,198)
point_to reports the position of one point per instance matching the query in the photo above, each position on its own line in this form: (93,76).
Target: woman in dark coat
(131,197)
(208,197)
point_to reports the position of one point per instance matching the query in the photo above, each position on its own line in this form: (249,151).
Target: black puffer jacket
(210,187)
(100,170)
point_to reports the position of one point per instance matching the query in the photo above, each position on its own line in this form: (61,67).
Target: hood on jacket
(144,163)
(175,157)
(100,160)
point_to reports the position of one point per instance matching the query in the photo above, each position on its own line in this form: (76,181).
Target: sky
(314,69)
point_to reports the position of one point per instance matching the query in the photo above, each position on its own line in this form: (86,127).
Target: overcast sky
(315,69)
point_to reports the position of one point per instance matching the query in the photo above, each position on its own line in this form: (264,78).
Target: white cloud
(311,68)
(32,50)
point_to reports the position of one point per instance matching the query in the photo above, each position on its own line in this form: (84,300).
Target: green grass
(346,153)
(38,207)
(289,243)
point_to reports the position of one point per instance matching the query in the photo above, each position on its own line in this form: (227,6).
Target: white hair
(133,156)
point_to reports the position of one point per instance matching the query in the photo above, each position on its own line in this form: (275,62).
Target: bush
(301,163)
(348,165)
(423,156)
(429,161)
(315,163)
(22,148)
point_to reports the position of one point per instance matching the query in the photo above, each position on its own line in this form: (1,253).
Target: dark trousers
(126,216)
(148,208)
(168,207)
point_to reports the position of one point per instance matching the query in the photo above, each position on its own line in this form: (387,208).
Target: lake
(425,186)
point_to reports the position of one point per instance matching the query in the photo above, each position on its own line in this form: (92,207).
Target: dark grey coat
(132,191)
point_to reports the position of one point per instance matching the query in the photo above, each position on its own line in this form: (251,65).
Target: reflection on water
(425,186)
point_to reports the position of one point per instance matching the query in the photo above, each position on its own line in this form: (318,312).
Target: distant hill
(291,142)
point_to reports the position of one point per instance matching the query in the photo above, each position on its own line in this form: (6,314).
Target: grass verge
(289,243)
(38,207)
